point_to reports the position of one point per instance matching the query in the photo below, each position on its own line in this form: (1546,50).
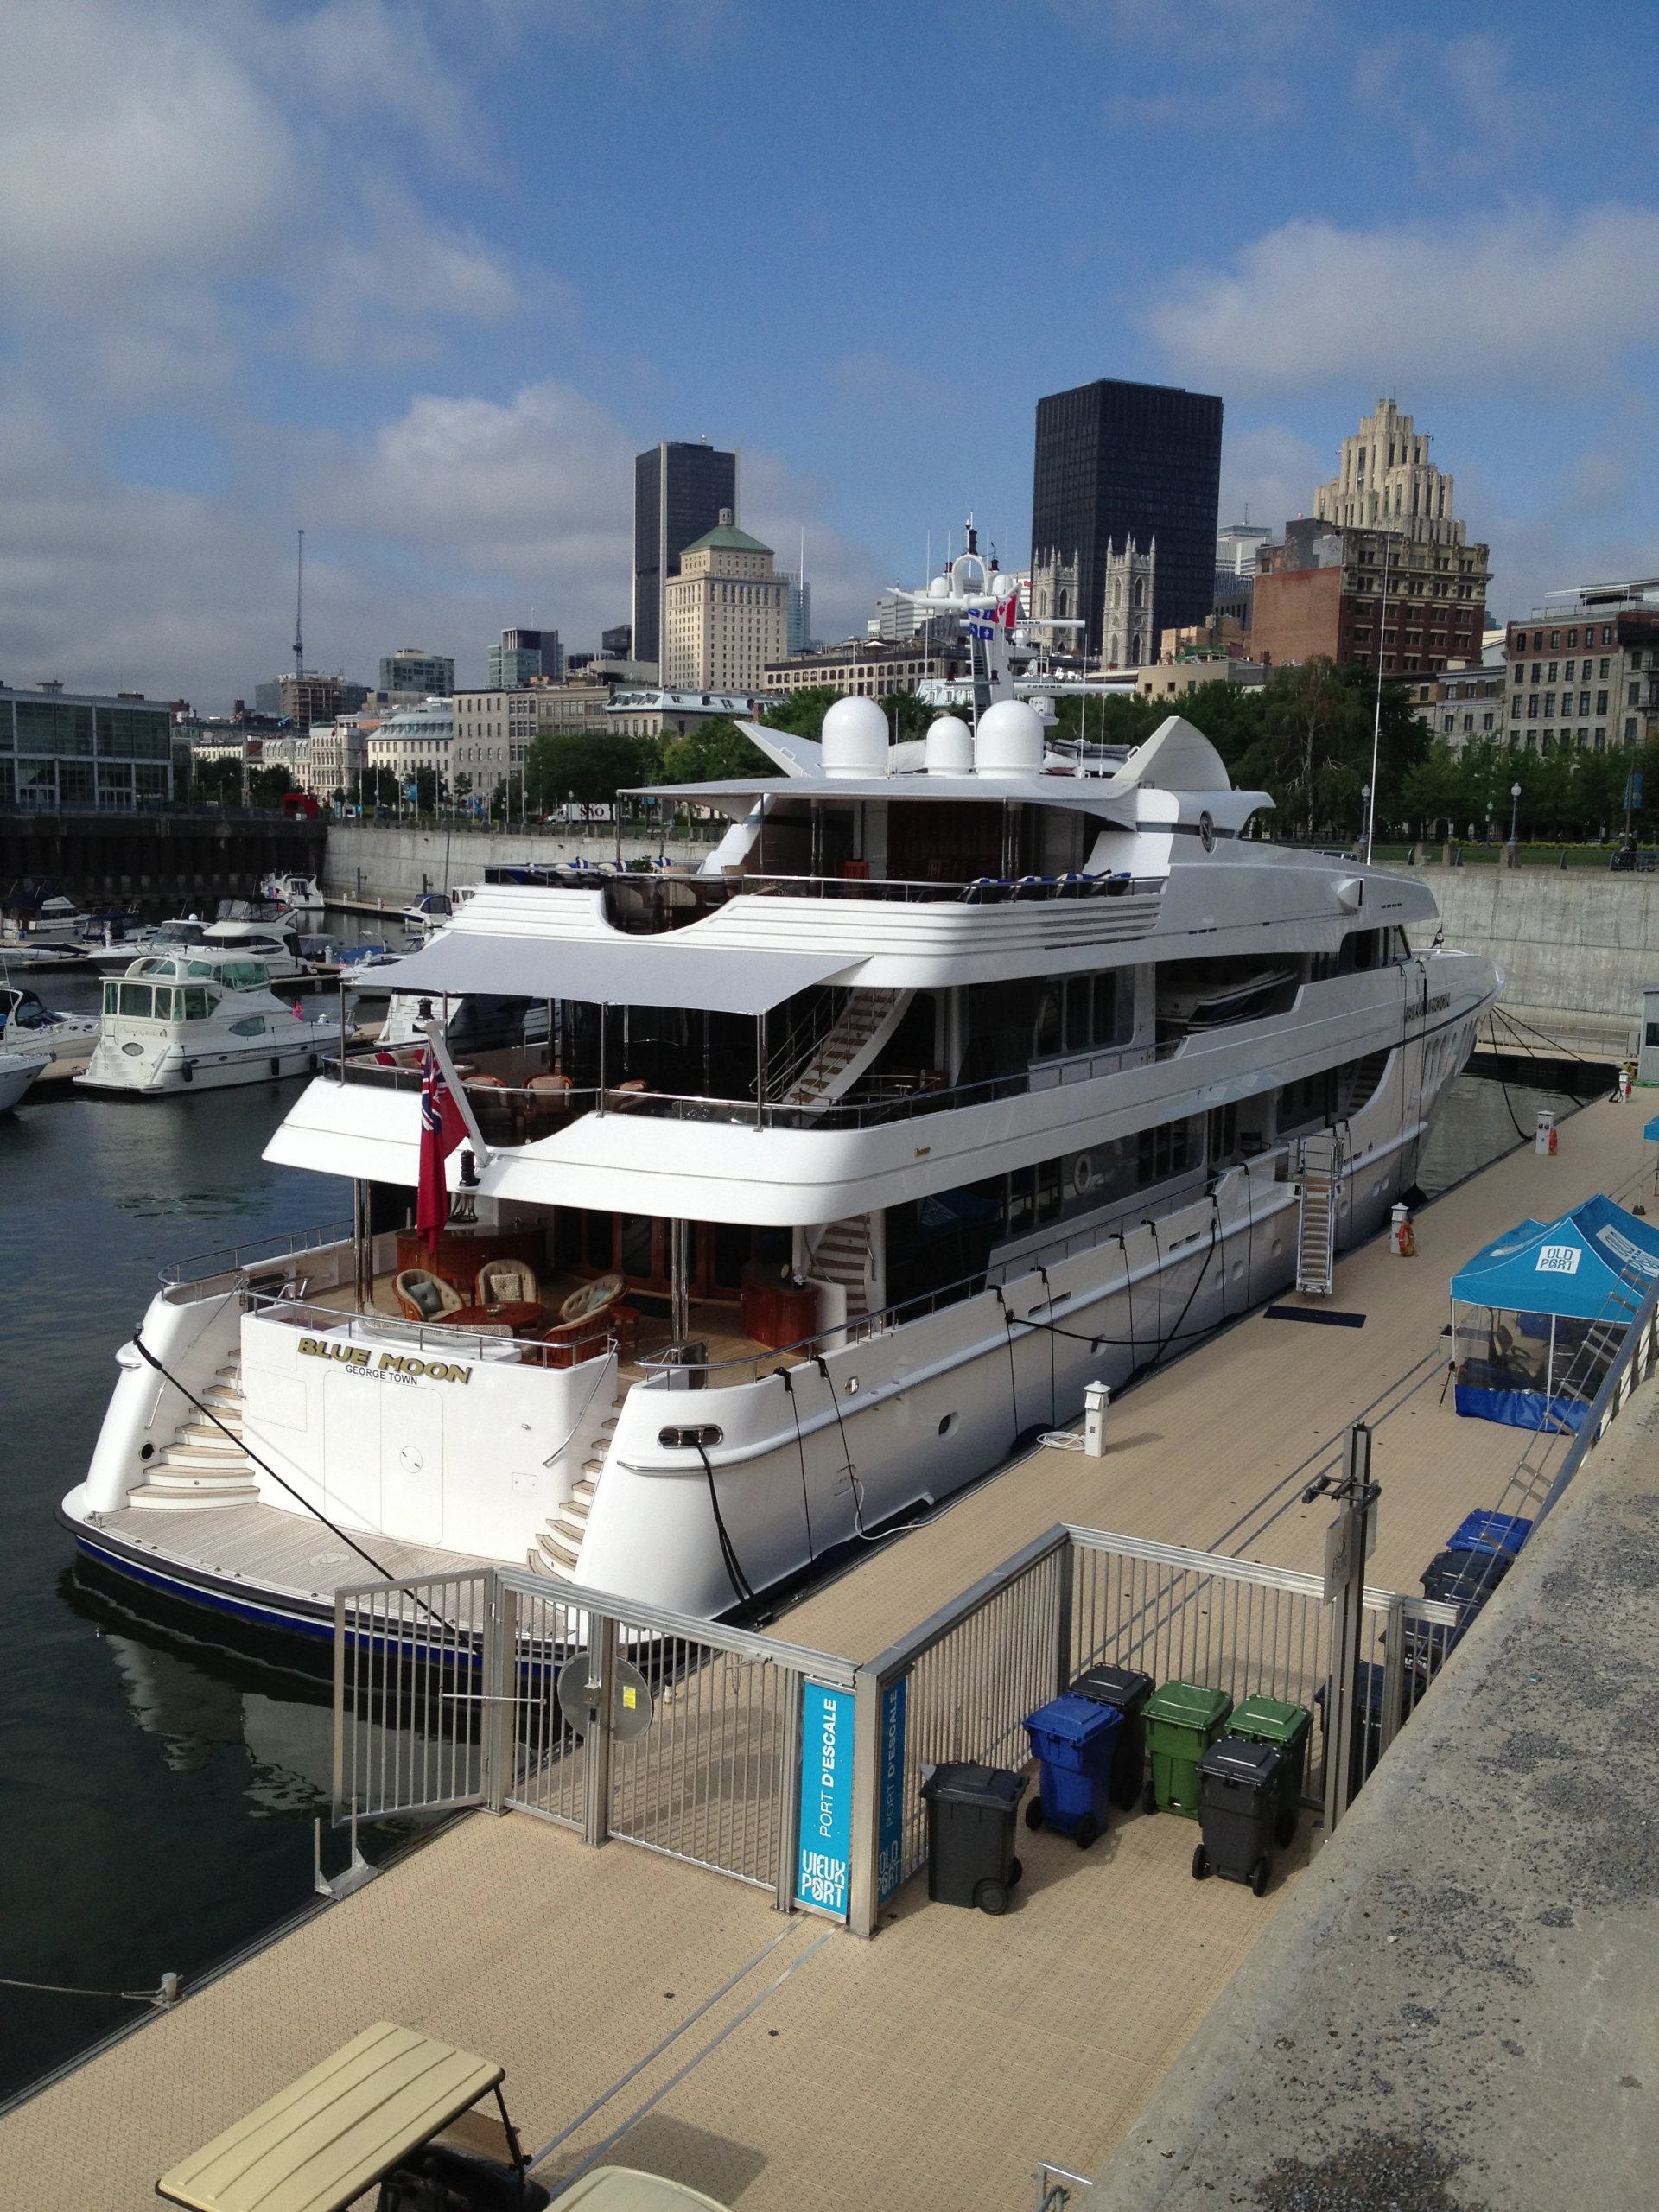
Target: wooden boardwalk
(667,2017)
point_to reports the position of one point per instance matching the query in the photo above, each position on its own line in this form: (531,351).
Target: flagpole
(433,1031)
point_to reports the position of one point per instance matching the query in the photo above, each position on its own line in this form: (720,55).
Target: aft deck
(659,2016)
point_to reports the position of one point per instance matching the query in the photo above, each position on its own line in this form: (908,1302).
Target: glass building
(60,751)
(1117,460)
(678,493)
(522,654)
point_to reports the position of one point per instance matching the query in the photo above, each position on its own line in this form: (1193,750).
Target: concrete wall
(1575,945)
(375,861)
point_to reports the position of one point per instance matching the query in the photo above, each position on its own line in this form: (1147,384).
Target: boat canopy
(1538,1315)
(666,973)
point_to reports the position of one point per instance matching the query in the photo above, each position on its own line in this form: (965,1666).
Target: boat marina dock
(664,2015)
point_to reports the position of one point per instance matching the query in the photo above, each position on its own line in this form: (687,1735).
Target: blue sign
(890,1791)
(826,1837)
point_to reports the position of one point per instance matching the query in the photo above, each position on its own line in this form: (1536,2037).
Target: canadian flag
(442,1130)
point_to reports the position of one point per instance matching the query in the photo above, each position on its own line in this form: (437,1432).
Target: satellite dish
(579,1696)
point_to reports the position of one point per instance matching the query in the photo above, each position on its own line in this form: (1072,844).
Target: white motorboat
(294,892)
(117,953)
(61,1042)
(428,912)
(205,1018)
(54,922)
(19,1072)
(259,929)
(963,1074)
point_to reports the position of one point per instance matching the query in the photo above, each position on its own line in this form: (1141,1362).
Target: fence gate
(409,1713)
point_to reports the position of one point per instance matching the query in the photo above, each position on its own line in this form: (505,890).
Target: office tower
(679,492)
(617,644)
(726,613)
(800,615)
(411,668)
(522,654)
(1118,465)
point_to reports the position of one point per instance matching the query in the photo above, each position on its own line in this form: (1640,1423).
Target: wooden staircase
(844,1049)
(1316,1224)
(843,1255)
(558,1546)
(202,1466)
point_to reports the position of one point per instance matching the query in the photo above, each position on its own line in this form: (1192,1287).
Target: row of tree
(1305,737)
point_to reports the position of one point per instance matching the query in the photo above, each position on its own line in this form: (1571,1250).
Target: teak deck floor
(669,2018)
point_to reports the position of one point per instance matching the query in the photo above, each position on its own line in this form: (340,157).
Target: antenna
(299,609)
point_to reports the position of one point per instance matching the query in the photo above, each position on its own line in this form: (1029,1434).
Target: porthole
(1238,1270)
(850,1386)
(687,1440)
(1083,1173)
(1276,1247)
(948,1426)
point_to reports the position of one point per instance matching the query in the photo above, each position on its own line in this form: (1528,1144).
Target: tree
(715,751)
(379,787)
(802,714)
(590,770)
(269,786)
(217,783)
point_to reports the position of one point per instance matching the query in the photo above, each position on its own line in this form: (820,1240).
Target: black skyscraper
(678,492)
(1141,460)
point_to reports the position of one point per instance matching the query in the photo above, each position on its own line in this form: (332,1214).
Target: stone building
(726,614)
(1127,636)
(1385,480)
(1585,672)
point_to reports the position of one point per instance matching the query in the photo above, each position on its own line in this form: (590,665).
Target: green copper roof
(726,538)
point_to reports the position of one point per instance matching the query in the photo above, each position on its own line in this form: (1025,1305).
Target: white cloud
(1527,300)
(1267,475)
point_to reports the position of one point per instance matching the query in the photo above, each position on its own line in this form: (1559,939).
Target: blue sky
(421,275)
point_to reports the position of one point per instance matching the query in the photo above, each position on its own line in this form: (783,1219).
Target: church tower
(1127,639)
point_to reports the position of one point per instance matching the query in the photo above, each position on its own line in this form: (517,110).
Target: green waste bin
(1266,1721)
(1183,1719)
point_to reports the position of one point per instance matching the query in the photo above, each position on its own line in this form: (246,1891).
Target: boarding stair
(558,1545)
(846,1050)
(1316,1224)
(843,1255)
(203,1466)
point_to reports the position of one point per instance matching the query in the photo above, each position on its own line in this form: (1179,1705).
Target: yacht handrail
(236,1258)
(432,1336)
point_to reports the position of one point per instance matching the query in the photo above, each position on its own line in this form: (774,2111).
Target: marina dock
(653,2013)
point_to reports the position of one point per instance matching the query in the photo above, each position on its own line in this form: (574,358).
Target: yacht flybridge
(795,1190)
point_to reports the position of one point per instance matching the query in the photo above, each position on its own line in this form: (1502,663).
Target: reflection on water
(159,1786)
(1482,1119)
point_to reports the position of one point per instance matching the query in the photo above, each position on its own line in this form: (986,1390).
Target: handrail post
(596,1780)
(500,1674)
(863,1874)
(340,1704)
(789,1781)
(1065,1570)
(1394,1670)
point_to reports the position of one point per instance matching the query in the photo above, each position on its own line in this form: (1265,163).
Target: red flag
(442,1130)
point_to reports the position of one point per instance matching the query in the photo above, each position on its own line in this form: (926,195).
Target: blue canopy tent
(1539,1315)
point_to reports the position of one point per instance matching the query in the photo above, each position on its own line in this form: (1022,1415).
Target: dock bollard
(1544,1141)
(1096,1398)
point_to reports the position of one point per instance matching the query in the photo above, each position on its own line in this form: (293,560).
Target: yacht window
(1362,950)
(195,1004)
(202,968)
(1079,1010)
(1045,1040)
(164,1003)
(598,1236)
(252,1025)
(31,1014)
(112,995)
(137,998)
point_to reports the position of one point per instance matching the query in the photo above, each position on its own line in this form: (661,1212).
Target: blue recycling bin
(1073,1740)
(1488,1532)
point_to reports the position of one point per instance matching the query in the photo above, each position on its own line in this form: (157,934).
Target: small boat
(201,1018)
(53,921)
(293,891)
(61,1042)
(257,929)
(18,1073)
(428,912)
(120,952)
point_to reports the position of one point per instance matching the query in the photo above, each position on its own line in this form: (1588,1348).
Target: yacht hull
(882,1423)
(205,1070)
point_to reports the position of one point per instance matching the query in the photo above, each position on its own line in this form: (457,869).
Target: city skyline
(224,315)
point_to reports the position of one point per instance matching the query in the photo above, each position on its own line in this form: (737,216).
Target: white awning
(639,971)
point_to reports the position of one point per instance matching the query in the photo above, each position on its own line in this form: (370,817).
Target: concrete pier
(381,864)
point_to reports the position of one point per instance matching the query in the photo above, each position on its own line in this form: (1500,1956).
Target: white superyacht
(796,1190)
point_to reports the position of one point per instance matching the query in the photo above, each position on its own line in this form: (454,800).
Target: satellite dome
(941,588)
(854,739)
(950,747)
(1010,739)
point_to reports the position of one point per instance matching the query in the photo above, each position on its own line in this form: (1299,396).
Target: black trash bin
(1466,1580)
(971,1815)
(1129,1692)
(1366,1748)
(1238,1811)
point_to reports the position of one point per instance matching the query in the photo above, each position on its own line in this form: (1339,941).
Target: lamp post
(1366,795)
(1515,811)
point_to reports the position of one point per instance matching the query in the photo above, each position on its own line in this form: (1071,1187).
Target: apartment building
(1585,672)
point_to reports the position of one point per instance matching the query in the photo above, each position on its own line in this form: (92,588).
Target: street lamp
(1515,810)
(1366,795)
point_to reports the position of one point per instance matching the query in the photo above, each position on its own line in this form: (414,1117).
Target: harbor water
(158,1789)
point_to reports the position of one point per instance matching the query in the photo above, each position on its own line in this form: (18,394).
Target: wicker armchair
(422,1296)
(506,1282)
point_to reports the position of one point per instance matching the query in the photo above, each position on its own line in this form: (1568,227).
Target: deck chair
(506,1282)
(422,1296)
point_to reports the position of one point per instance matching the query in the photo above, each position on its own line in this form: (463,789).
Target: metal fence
(1076,1598)
(685,1738)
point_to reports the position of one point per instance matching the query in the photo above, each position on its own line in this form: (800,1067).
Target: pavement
(1458,2005)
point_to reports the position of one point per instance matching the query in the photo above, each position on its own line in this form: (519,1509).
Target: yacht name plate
(394,1366)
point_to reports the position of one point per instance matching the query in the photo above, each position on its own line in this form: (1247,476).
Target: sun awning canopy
(1594,1264)
(316,2146)
(658,971)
